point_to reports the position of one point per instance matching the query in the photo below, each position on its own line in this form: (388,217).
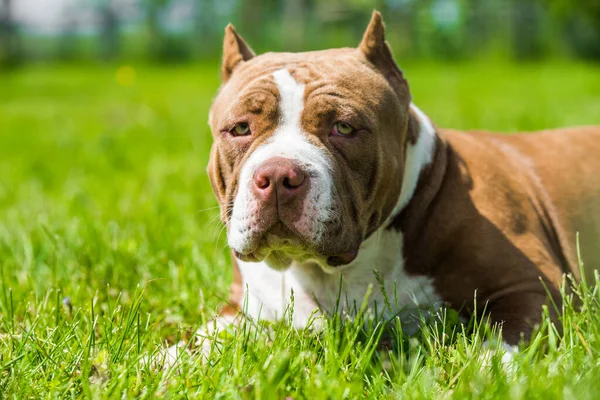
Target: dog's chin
(281,259)
(280,248)
(279,253)
(277,259)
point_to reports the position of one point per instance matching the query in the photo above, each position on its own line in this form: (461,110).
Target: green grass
(104,199)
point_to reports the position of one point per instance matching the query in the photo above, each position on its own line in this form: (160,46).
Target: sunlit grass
(104,200)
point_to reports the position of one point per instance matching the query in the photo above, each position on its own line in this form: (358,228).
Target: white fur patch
(268,291)
(207,339)
(507,351)
(418,156)
(207,336)
(287,141)
(291,101)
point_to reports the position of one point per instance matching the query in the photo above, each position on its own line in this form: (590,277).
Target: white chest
(376,276)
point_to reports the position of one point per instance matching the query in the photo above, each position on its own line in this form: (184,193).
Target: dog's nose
(279,180)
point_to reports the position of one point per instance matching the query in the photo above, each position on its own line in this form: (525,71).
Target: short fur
(491,215)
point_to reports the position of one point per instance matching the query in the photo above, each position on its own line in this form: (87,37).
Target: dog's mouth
(282,259)
(342,259)
(281,246)
(279,257)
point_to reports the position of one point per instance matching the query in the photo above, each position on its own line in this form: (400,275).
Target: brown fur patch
(493,218)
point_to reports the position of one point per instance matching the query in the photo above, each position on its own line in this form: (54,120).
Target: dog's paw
(166,357)
(505,351)
(209,338)
(206,344)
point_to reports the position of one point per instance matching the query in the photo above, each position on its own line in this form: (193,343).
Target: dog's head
(308,152)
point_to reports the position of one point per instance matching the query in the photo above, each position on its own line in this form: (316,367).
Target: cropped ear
(378,52)
(373,41)
(235,51)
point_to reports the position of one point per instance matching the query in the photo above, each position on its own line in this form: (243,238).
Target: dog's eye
(240,129)
(342,129)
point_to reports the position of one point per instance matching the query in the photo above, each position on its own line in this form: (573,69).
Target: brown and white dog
(326,172)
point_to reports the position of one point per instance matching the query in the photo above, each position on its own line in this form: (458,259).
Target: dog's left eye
(342,129)
(241,129)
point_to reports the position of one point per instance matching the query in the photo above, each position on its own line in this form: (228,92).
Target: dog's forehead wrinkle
(253,96)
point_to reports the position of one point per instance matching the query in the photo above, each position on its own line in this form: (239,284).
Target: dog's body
(328,176)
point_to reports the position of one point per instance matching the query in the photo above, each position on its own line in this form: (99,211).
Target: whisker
(207,209)
(218,240)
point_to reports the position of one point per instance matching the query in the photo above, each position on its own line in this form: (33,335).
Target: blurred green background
(186,30)
(104,142)
(103,119)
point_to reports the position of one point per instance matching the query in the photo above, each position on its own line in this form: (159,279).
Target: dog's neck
(421,146)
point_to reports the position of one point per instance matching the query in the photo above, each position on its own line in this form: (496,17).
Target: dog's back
(567,162)
(562,167)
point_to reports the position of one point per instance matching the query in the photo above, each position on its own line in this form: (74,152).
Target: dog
(332,183)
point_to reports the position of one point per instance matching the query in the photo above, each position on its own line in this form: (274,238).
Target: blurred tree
(207,28)
(109,38)
(162,45)
(9,46)
(294,23)
(173,30)
(260,21)
(590,8)
(479,25)
(581,22)
(447,22)
(526,32)
(153,10)
(68,49)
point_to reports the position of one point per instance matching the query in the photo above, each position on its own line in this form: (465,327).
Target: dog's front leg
(519,314)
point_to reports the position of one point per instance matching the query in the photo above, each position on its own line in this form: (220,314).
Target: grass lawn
(110,246)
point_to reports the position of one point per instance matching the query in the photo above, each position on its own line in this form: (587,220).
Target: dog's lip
(278,237)
(294,248)
(336,261)
(248,257)
(342,258)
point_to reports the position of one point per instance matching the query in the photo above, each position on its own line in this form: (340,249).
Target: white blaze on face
(291,103)
(291,142)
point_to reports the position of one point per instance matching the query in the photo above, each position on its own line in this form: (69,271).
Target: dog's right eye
(240,129)
(341,128)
